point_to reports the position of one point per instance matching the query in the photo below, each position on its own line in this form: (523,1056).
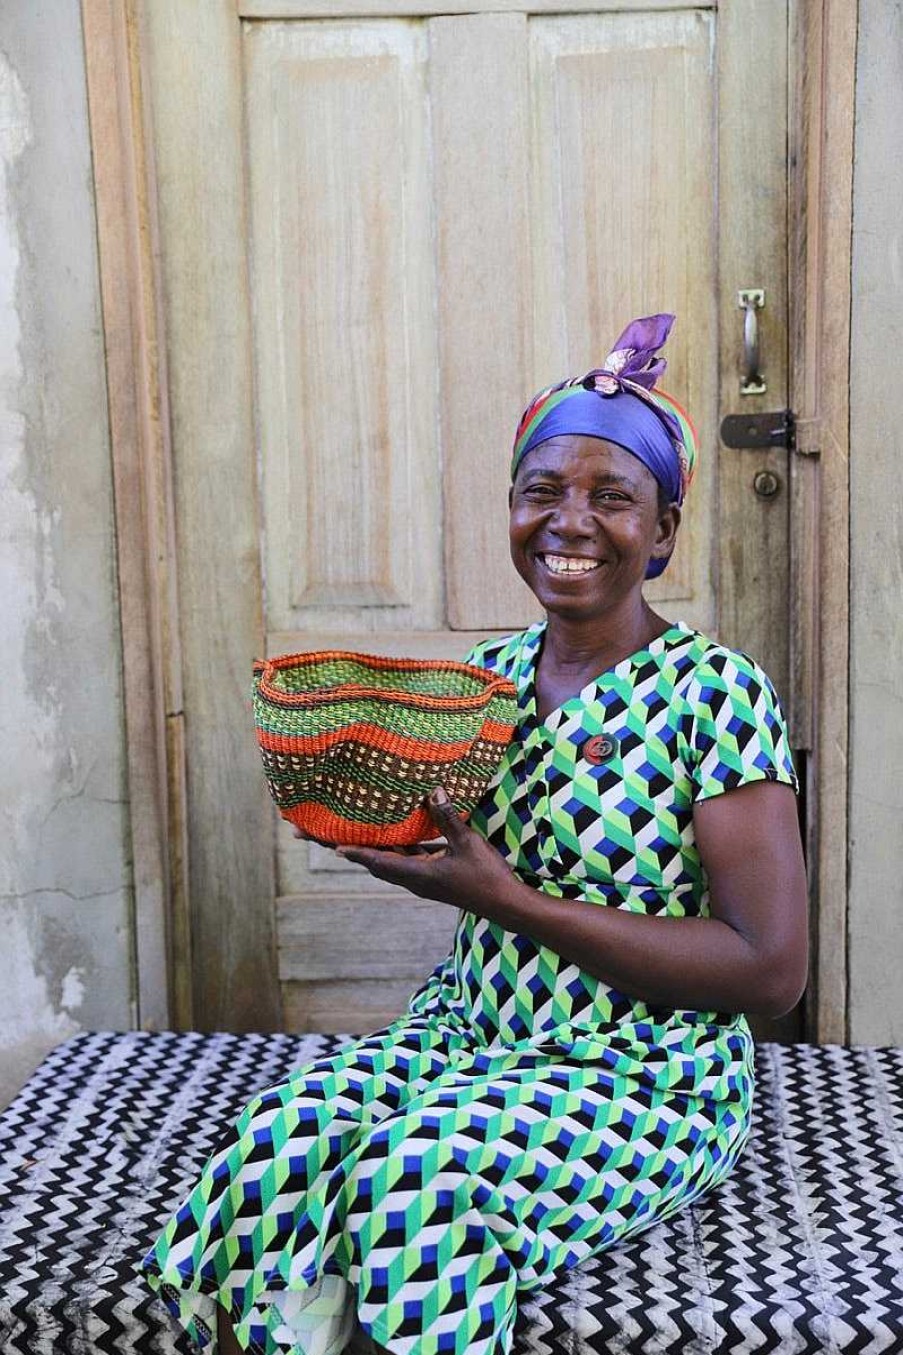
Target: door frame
(203,908)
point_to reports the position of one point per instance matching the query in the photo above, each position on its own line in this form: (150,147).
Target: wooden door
(378,236)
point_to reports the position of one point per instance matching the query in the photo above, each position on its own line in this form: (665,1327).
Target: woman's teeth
(567,564)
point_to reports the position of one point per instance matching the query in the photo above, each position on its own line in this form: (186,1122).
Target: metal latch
(778,428)
(775,429)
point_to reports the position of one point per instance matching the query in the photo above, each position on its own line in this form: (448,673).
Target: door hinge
(777,428)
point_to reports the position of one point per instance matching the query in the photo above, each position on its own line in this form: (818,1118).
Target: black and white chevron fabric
(801,1251)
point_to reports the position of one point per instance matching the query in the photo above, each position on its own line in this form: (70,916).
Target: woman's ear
(510,496)
(666,532)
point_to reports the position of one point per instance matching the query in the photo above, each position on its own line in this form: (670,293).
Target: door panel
(334,9)
(345,339)
(480,113)
(624,213)
(753,560)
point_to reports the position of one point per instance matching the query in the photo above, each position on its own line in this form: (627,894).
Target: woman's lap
(438,1178)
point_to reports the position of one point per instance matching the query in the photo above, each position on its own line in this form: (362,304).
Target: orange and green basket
(352,743)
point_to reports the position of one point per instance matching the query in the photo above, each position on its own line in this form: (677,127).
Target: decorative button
(600,748)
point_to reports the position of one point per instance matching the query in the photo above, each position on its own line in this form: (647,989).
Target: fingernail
(438,796)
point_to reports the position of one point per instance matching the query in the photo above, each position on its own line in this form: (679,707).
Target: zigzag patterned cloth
(799,1251)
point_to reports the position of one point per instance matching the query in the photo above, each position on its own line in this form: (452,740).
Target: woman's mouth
(569,564)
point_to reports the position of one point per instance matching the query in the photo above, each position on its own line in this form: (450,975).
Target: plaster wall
(876,506)
(65,926)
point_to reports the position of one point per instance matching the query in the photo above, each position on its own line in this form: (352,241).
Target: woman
(579,1066)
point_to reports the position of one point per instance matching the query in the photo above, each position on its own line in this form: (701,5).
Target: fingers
(396,867)
(445,816)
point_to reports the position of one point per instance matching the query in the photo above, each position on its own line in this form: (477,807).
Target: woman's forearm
(694,963)
(749,956)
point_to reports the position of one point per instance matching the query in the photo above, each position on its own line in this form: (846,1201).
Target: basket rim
(264,669)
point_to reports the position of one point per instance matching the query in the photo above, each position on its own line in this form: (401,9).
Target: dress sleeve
(738,730)
(485,654)
(497,655)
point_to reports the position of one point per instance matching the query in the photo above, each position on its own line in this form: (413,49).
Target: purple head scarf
(620,403)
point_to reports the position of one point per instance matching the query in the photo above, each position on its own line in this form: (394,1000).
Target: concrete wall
(64,873)
(876,487)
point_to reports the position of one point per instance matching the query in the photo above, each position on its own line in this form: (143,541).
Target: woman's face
(584,522)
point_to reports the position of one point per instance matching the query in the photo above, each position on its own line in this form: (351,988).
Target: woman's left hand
(466,872)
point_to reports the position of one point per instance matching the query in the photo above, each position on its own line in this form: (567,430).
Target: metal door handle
(750,300)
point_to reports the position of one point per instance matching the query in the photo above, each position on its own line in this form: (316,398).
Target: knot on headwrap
(620,403)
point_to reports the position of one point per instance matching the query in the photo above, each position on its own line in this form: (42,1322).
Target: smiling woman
(585,522)
(579,1066)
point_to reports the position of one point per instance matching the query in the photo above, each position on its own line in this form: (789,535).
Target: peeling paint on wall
(24,543)
(27,990)
(64,869)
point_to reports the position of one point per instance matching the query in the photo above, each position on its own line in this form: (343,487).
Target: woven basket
(352,743)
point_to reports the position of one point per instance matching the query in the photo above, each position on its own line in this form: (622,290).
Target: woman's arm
(750,956)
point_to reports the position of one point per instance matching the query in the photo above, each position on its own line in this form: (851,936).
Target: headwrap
(620,402)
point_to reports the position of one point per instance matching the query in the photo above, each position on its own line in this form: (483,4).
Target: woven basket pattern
(352,743)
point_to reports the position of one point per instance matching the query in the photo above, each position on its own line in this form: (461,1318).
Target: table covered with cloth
(799,1250)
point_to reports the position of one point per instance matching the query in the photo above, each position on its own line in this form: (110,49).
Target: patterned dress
(520,1115)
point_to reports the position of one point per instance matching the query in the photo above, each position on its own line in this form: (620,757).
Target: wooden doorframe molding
(822,113)
(823,55)
(192,80)
(144,511)
(162,80)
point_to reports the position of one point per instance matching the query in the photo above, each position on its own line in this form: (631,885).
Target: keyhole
(766,484)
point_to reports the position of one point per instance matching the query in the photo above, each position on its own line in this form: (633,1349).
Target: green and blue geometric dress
(520,1115)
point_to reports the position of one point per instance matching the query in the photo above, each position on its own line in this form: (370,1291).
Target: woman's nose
(573,517)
